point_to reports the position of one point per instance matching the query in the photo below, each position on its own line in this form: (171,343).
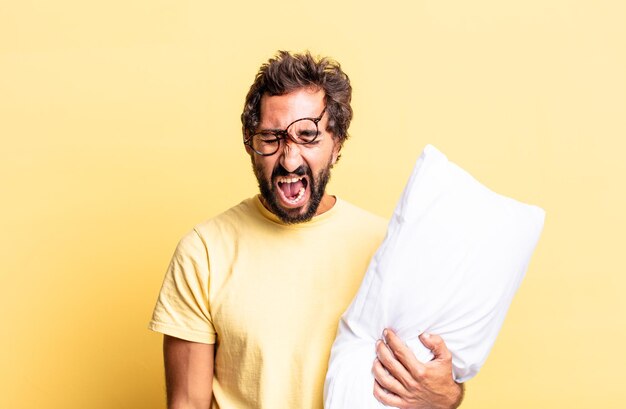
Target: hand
(404,382)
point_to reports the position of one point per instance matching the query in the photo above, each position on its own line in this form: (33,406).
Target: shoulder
(219,228)
(228,222)
(361,219)
(357,211)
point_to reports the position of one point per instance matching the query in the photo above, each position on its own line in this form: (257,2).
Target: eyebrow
(299,119)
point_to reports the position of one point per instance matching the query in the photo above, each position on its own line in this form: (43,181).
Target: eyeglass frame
(283,134)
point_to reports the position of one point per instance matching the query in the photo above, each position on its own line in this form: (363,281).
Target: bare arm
(188,373)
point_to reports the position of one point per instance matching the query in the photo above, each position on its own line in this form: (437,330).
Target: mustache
(299,171)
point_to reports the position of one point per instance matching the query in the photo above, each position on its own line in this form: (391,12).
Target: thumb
(436,345)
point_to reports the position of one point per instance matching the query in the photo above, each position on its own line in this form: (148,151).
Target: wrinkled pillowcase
(454,255)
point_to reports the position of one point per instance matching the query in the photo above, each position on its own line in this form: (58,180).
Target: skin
(277,112)
(188,373)
(401,380)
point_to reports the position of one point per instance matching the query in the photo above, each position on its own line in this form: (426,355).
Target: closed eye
(268,136)
(307,136)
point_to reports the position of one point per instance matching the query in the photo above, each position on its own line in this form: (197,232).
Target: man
(252,298)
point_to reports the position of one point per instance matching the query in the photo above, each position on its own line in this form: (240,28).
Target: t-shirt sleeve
(182,309)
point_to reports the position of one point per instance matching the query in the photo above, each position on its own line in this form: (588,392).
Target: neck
(327,203)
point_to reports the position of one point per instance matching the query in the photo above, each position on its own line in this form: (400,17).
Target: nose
(290,157)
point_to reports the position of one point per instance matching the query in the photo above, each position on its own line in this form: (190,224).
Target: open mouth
(292,189)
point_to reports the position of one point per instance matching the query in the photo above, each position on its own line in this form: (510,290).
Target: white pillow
(454,255)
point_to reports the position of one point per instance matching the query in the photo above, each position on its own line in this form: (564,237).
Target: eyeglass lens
(301,132)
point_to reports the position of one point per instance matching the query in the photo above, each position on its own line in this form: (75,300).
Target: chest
(290,294)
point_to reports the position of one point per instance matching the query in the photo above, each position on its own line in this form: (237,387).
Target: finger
(392,365)
(437,346)
(386,380)
(386,397)
(404,354)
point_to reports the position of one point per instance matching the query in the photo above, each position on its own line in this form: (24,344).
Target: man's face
(293,180)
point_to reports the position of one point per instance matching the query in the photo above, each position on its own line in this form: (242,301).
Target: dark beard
(317,188)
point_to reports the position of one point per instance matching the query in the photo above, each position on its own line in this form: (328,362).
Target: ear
(248,149)
(336,151)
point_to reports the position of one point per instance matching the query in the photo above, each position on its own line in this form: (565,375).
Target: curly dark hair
(287,72)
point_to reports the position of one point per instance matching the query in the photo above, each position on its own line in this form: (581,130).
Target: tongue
(291,189)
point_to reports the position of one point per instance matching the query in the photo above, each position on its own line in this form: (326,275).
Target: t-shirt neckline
(266,214)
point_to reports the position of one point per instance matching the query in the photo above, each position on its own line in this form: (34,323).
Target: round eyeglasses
(302,131)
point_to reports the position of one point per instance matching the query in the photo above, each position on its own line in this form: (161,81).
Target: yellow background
(119,127)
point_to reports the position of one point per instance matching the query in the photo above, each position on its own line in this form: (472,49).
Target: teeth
(290,180)
(297,199)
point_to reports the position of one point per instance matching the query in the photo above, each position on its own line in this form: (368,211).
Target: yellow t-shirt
(270,296)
